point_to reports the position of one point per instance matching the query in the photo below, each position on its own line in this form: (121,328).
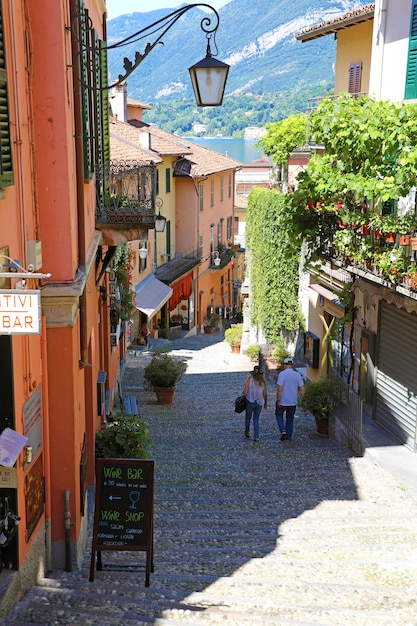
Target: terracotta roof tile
(241,201)
(194,160)
(138,105)
(351,18)
(122,149)
(203,162)
(162,142)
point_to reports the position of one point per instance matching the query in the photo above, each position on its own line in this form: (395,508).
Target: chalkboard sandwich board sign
(123,515)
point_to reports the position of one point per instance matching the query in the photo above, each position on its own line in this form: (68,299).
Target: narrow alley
(246,533)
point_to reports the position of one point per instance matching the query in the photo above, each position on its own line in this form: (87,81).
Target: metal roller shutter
(396,384)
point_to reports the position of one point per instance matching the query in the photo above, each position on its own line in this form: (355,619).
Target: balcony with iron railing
(221,257)
(125,195)
(313,103)
(383,256)
(177,266)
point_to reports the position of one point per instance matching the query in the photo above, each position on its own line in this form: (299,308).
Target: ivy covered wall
(274,264)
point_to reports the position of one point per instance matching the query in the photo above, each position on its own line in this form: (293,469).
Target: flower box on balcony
(405,240)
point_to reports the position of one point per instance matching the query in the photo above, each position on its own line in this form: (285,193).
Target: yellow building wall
(354,45)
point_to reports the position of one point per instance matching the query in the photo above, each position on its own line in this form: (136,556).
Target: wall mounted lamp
(143,251)
(160,222)
(208,76)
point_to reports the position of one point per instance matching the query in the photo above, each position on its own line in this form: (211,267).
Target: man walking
(290,384)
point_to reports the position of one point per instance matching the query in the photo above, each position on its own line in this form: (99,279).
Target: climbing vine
(123,263)
(282,137)
(274,264)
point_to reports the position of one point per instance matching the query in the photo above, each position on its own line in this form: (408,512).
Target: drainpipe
(382,33)
(79,168)
(46,447)
(67,522)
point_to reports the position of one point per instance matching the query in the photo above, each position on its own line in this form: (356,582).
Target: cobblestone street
(246,533)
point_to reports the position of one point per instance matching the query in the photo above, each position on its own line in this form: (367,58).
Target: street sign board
(20,312)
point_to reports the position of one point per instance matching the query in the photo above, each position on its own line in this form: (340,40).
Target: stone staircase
(246,533)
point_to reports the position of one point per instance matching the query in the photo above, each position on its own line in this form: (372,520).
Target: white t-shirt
(290,380)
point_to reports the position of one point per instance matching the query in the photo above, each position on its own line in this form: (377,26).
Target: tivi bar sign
(20,312)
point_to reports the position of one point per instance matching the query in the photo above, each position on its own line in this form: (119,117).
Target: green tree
(282,137)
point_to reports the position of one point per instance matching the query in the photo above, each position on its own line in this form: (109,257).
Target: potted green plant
(162,374)
(252,352)
(319,399)
(211,321)
(279,352)
(233,336)
(127,437)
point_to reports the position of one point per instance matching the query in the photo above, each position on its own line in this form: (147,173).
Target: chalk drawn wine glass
(134,497)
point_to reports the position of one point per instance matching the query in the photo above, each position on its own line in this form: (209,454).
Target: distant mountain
(256,37)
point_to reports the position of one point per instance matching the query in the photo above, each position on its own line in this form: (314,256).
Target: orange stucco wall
(67,421)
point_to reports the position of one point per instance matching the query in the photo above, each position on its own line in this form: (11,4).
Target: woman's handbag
(240,404)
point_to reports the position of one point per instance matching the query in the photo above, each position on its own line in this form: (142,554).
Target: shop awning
(331,301)
(326,293)
(151,295)
(182,290)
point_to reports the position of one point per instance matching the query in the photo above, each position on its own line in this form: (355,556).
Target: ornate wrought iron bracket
(83,31)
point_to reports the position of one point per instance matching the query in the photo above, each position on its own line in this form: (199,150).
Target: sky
(121,7)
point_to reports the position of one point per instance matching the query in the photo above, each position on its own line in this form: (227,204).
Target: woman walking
(256,399)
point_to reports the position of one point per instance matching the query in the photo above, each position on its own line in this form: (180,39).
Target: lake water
(238,149)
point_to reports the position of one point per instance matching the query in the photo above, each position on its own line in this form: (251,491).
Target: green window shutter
(168,236)
(6,162)
(85,59)
(411,75)
(104,102)
(168,180)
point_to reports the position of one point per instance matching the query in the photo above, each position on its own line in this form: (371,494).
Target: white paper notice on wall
(11,445)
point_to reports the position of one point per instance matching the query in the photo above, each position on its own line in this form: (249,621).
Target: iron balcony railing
(313,103)
(126,193)
(220,258)
(177,266)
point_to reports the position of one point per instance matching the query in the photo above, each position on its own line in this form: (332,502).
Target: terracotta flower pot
(322,427)
(235,349)
(404,240)
(390,237)
(414,243)
(164,395)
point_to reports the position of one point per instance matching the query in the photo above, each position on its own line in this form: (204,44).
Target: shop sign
(20,312)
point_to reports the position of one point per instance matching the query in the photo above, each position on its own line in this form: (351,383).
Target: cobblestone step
(245,534)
